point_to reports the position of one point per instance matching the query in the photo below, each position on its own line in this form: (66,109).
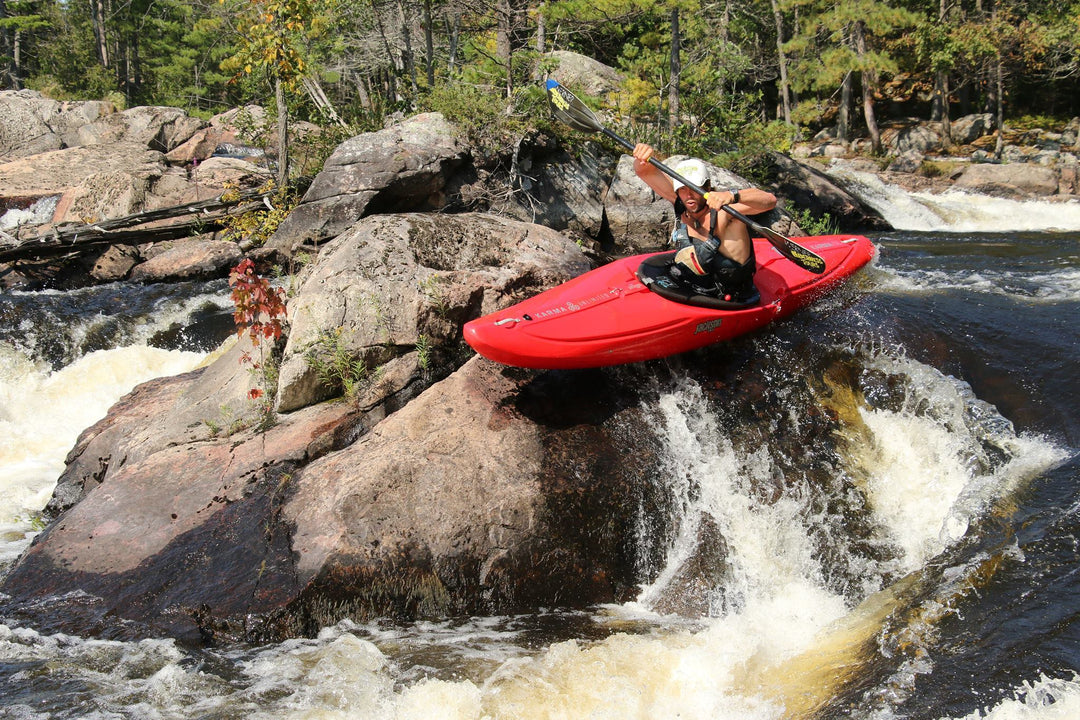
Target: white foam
(954,210)
(42,413)
(1062,284)
(781,637)
(39,213)
(1043,699)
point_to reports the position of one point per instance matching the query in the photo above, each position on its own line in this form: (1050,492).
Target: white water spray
(42,413)
(777,642)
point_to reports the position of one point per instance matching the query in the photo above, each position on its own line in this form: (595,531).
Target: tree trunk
(453,32)
(429,42)
(207,216)
(407,58)
(869,82)
(503,42)
(541,28)
(785,92)
(391,77)
(999,86)
(97,11)
(676,71)
(843,120)
(941,88)
(283,133)
(16,54)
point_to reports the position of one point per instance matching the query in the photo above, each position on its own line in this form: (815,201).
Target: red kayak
(622,312)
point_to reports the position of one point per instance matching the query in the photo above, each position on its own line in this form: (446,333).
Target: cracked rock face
(394,283)
(492,490)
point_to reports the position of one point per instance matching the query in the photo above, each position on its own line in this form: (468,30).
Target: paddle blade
(804,258)
(568,109)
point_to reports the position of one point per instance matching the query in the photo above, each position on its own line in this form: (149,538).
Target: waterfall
(953,210)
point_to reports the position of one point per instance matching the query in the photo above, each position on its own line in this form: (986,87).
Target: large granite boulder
(153,127)
(556,190)
(402,168)
(582,72)
(178,516)
(805,187)
(1015,180)
(113,179)
(32,124)
(969,128)
(637,217)
(189,259)
(394,283)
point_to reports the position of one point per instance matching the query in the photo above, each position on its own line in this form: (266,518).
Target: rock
(164,524)
(221,172)
(180,410)
(560,192)
(31,124)
(969,128)
(920,138)
(197,148)
(1069,179)
(693,588)
(831,150)
(114,263)
(401,168)
(392,280)
(580,72)
(235,128)
(468,501)
(478,497)
(810,189)
(155,128)
(97,182)
(1009,180)
(907,162)
(193,259)
(638,219)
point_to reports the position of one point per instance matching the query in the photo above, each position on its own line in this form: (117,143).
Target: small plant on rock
(335,364)
(260,312)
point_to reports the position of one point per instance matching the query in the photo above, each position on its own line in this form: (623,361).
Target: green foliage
(490,123)
(255,227)
(423,352)
(275,36)
(370,58)
(1024,123)
(811,224)
(335,365)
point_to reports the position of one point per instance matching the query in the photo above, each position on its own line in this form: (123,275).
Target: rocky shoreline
(442,484)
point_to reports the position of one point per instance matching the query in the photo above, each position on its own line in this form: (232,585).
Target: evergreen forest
(711,76)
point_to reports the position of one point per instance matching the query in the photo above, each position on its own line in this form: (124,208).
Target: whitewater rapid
(954,211)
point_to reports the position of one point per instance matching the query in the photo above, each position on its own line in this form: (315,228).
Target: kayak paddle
(571,111)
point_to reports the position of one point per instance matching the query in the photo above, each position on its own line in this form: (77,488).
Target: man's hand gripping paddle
(568,109)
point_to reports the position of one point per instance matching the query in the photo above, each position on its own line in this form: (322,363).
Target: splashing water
(42,413)
(954,210)
(777,640)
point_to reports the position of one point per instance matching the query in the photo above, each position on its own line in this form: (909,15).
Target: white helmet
(693,170)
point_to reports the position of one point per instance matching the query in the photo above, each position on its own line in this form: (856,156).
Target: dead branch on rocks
(202,216)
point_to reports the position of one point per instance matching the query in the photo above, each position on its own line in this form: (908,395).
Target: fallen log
(203,216)
(66,238)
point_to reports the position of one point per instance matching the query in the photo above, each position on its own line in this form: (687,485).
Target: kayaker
(715,254)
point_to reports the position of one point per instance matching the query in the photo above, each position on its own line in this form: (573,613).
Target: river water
(918,562)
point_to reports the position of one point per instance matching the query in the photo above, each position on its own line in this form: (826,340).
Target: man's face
(691,199)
